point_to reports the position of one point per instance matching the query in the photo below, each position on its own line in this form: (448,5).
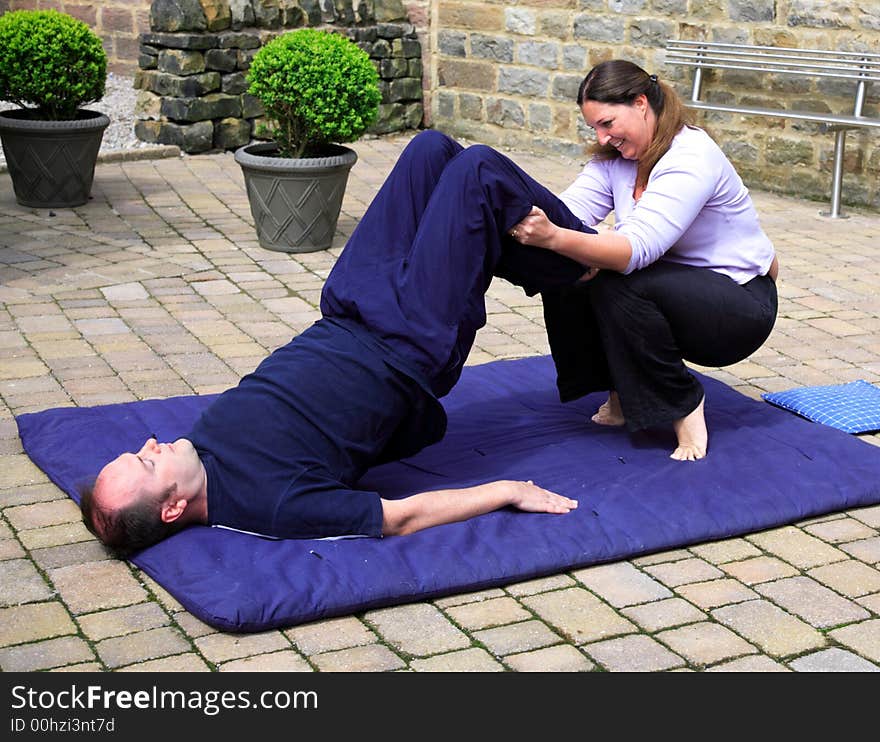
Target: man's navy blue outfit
(284,450)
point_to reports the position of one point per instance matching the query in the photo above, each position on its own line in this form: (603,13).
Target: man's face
(149,473)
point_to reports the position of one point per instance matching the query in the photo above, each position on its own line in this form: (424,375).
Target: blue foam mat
(766,467)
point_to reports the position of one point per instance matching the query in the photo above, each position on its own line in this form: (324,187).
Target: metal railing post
(837,178)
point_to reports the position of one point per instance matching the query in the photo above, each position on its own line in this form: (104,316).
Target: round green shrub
(317,87)
(50,61)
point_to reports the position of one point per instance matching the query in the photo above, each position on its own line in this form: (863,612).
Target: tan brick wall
(117,22)
(507,73)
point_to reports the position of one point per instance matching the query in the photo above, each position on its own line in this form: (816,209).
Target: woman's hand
(606,249)
(536,229)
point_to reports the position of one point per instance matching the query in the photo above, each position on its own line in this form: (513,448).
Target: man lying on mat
(281,453)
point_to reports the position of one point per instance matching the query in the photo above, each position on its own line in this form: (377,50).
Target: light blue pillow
(852,407)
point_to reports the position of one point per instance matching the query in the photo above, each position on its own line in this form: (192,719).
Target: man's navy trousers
(415,270)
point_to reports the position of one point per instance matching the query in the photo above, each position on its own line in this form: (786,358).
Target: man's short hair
(129,529)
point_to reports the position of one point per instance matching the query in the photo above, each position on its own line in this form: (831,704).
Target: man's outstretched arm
(428,509)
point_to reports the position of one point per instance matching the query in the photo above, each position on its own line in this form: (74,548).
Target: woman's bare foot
(610,413)
(693,438)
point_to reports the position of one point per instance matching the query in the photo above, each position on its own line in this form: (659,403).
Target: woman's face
(629,128)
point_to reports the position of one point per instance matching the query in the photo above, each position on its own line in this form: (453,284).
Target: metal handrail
(859,67)
(826,118)
(842,76)
(869,59)
(746,58)
(818,52)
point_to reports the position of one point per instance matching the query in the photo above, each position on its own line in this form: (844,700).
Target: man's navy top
(284,450)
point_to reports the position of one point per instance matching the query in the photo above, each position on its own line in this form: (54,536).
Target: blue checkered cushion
(853,407)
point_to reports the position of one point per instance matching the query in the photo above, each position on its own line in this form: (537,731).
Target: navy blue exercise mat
(766,467)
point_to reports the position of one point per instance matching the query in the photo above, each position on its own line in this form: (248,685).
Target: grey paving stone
(284,661)
(716,593)
(518,637)
(870,515)
(796,547)
(578,615)
(486,613)
(44,655)
(759,569)
(21,583)
(866,550)
(621,584)
(119,621)
(705,643)
(97,586)
(218,648)
(329,635)
(33,621)
(661,557)
(187,662)
(863,638)
(664,614)
(840,530)
(542,585)
(635,653)
(871,602)
(419,629)
(143,645)
(769,627)
(683,572)
(755,663)
(851,578)
(559,658)
(730,550)
(473,659)
(69,554)
(833,659)
(369,658)
(815,603)
(38,515)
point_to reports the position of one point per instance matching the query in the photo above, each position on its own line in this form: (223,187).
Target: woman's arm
(428,509)
(606,249)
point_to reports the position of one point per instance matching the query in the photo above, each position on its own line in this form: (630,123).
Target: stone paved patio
(158,287)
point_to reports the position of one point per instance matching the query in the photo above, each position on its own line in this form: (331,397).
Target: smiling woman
(688,273)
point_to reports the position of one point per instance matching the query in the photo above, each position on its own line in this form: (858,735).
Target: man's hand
(529,497)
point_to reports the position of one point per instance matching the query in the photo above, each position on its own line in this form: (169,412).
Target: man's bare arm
(428,509)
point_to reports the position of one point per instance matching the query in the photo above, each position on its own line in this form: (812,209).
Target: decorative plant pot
(295,202)
(52,163)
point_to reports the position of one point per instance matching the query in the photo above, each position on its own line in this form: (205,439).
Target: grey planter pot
(295,202)
(52,163)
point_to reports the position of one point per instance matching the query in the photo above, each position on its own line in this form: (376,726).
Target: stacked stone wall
(507,73)
(117,22)
(193,63)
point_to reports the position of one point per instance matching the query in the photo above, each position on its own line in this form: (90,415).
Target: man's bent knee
(429,142)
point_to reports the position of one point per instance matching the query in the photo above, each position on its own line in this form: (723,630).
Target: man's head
(141,498)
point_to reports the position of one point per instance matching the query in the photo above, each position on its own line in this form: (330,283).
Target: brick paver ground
(158,287)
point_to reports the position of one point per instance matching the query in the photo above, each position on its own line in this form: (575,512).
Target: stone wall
(117,22)
(194,60)
(508,72)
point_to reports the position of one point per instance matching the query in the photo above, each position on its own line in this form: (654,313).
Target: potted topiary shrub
(50,66)
(319,90)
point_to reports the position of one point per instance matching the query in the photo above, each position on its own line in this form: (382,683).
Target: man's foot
(693,438)
(610,413)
